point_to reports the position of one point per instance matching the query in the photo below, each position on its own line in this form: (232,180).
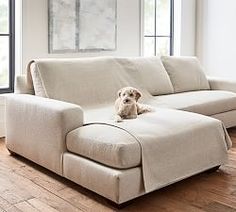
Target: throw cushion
(186,73)
(153,75)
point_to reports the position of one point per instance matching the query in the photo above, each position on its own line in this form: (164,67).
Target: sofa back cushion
(153,75)
(85,81)
(186,73)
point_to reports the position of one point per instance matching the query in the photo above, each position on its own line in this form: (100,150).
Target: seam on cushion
(196,105)
(104,164)
(121,129)
(222,112)
(167,76)
(62,164)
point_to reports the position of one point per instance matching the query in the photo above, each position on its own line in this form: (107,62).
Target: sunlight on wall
(177,27)
(18,37)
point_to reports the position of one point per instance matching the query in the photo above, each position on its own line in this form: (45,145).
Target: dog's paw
(150,109)
(118,118)
(145,109)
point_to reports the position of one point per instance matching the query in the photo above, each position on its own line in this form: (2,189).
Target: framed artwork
(82,25)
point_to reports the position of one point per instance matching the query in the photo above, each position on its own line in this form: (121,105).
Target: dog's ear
(119,92)
(138,94)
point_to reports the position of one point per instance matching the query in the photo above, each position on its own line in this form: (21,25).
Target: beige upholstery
(159,131)
(21,86)
(37,128)
(153,75)
(185,73)
(85,82)
(207,102)
(37,81)
(148,71)
(228,118)
(117,185)
(222,84)
(120,150)
(119,160)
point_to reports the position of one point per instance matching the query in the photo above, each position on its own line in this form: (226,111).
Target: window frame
(155,36)
(11,36)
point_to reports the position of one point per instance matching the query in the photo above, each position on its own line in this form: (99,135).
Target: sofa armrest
(36,128)
(222,84)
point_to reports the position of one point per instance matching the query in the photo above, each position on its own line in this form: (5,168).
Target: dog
(127,106)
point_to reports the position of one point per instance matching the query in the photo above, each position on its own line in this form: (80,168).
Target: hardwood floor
(25,186)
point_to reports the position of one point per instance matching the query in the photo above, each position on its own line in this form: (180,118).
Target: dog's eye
(131,94)
(123,94)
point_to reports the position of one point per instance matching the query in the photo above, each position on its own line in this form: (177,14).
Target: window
(7,47)
(158,27)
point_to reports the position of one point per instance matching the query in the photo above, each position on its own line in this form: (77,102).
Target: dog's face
(129,95)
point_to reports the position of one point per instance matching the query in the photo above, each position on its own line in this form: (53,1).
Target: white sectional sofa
(61,117)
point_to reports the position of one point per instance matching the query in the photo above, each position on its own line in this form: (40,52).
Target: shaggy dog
(126,105)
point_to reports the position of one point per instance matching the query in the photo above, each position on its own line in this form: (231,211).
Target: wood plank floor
(25,186)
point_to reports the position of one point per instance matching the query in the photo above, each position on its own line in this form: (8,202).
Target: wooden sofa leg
(214,169)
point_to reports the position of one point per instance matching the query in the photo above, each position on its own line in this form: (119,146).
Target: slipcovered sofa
(61,117)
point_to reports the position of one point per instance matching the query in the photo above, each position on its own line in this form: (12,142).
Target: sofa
(61,117)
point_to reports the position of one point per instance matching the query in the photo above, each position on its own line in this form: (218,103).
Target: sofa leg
(214,169)
(120,206)
(11,152)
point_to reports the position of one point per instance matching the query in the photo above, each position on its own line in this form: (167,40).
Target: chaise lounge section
(61,119)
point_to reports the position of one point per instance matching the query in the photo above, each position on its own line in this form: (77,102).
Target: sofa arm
(36,128)
(222,84)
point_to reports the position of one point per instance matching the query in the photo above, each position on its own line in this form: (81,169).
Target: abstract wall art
(82,25)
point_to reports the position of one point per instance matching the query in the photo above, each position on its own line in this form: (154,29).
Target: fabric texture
(153,75)
(78,81)
(228,118)
(159,131)
(148,71)
(208,102)
(86,82)
(186,73)
(170,141)
(39,88)
(120,150)
(21,86)
(37,128)
(222,84)
(117,185)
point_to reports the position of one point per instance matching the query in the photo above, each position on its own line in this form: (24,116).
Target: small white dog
(127,106)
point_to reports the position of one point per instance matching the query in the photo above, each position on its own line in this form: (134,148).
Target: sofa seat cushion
(203,102)
(186,73)
(105,144)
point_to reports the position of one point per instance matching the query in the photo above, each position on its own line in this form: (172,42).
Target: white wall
(216,36)
(35,30)
(184,27)
(188,27)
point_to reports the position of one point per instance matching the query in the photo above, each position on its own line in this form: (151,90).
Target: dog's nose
(126,100)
